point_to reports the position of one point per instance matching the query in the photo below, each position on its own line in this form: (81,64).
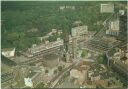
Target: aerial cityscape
(64,44)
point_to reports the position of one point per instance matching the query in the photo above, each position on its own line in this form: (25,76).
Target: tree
(60,68)
(102,59)
(84,53)
(41,85)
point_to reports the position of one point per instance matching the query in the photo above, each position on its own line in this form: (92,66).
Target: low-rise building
(80,76)
(114,28)
(67,7)
(121,12)
(54,31)
(62,7)
(33,30)
(46,42)
(95,78)
(70,7)
(28,82)
(107,8)
(49,34)
(80,73)
(77,23)
(40,38)
(80,30)
(59,32)
(102,83)
(8,52)
(43,47)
